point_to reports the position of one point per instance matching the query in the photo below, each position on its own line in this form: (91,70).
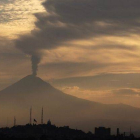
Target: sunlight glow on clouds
(73,42)
(16,16)
(104,54)
(125,96)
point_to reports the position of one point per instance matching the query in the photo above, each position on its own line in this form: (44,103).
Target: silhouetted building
(124,134)
(52,132)
(49,122)
(118,131)
(102,131)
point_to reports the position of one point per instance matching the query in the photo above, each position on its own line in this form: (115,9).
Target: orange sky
(105,53)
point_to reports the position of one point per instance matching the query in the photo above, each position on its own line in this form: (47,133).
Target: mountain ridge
(32,82)
(60,107)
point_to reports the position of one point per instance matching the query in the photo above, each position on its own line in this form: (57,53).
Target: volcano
(61,108)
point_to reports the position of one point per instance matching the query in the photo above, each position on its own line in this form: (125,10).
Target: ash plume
(68,20)
(35,61)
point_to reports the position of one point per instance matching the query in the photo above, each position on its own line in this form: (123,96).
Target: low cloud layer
(127,92)
(104,88)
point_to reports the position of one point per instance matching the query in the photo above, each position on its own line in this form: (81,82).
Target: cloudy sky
(87,48)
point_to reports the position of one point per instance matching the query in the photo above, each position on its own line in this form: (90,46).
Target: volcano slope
(61,108)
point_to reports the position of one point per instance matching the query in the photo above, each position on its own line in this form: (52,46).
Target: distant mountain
(61,108)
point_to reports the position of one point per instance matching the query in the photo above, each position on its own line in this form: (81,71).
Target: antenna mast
(31,115)
(130,130)
(14,121)
(42,116)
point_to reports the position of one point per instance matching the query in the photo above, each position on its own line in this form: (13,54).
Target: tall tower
(42,116)
(14,121)
(31,115)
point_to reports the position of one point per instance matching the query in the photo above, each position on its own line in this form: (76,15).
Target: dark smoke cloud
(35,61)
(68,20)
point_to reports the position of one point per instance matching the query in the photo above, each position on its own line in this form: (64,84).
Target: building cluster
(52,132)
(34,131)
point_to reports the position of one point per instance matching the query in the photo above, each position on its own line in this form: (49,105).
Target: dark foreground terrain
(52,132)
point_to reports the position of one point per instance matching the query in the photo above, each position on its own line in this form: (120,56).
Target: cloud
(13,63)
(126,92)
(93,13)
(83,93)
(6,1)
(75,88)
(81,38)
(69,20)
(104,81)
(16,16)
(129,96)
(70,69)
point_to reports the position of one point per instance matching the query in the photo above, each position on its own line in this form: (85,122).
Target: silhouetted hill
(61,108)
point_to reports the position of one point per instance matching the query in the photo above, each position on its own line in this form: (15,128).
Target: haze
(87,48)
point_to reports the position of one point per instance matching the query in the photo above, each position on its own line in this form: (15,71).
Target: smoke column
(35,61)
(62,23)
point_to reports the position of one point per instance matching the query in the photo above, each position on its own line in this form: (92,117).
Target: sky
(86,48)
